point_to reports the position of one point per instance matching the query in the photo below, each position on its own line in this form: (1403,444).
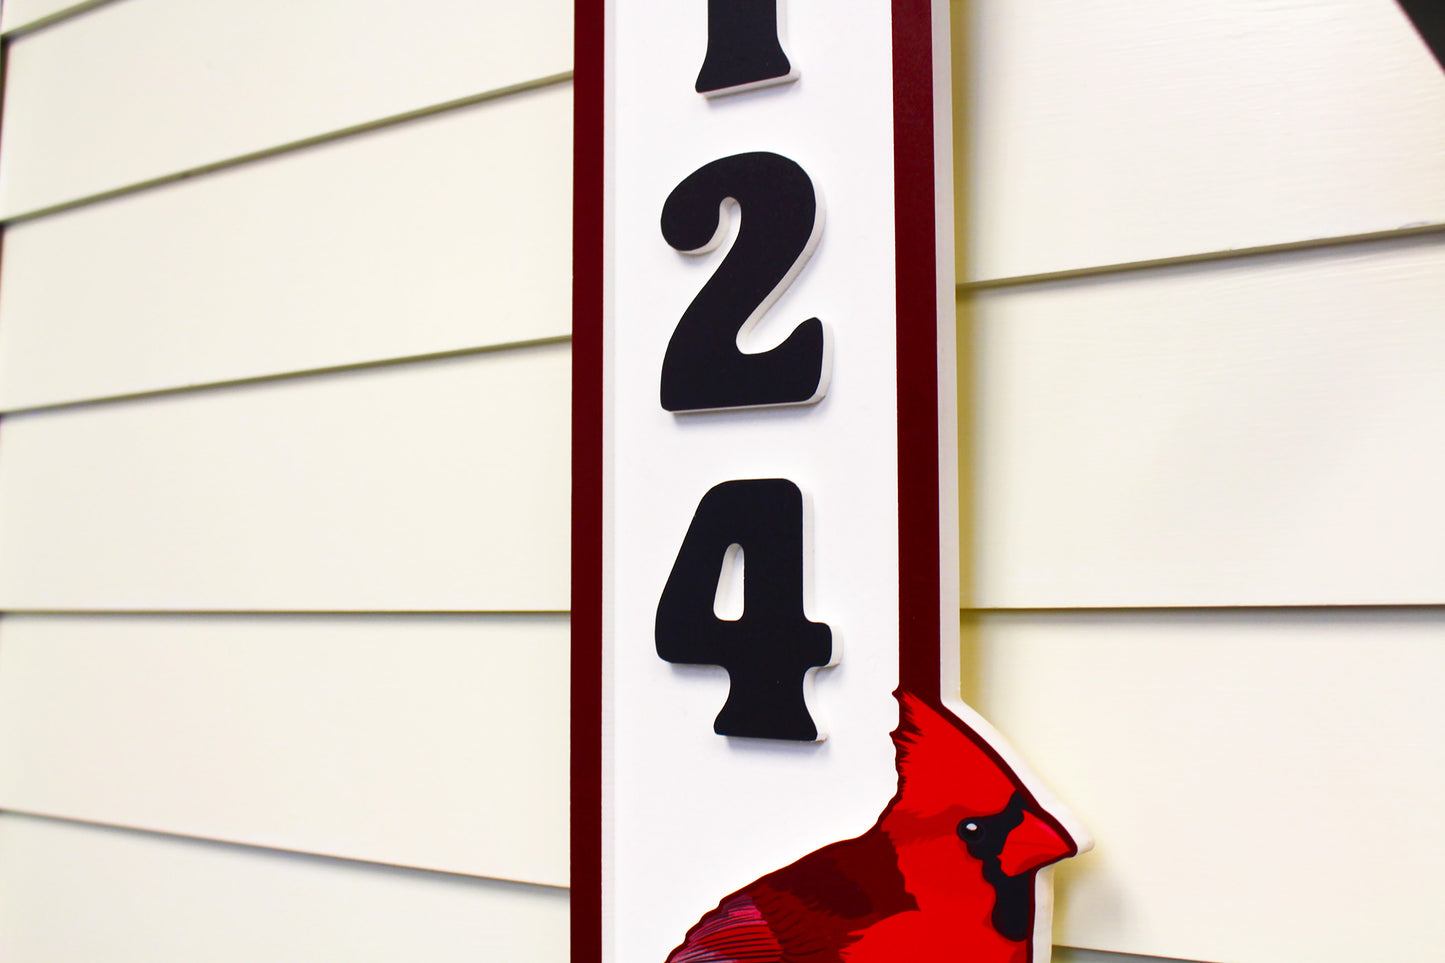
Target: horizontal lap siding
(440,485)
(1263,786)
(1219,459)
(437,742)
(438,235)
(346,240)
(1257,431)
(71,893)
(1133,130)
(145,89)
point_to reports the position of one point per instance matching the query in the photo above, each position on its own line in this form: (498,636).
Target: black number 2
(704,367)
(769,650)
(743,50)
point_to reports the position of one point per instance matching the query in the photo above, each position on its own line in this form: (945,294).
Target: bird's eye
(969,829)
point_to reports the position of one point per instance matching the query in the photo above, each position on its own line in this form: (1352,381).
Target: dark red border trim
(916,247)
(587,288)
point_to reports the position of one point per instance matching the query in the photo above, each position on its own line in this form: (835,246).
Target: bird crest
(943,765)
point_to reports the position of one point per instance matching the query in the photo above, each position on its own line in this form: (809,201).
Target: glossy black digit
(704,368)
(743,50)
(769,650)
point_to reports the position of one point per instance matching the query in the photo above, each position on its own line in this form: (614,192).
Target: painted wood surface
(1263,786)
(436,235)
(1254,432)
(437,742)
(432,486)
(70,892)
(1128,130)
(149,88)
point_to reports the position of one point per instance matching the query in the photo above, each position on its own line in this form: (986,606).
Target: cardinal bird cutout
(948,872)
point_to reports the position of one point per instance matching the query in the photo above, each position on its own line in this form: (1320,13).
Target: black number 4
(769,651)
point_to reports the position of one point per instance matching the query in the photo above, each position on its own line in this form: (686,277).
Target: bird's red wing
(735,932)
(806,912)
(806,932)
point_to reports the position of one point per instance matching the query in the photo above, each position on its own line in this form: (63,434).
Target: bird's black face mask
(985,836)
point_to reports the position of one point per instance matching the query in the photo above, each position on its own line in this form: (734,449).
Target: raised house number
(769,650)
(743,50)
(704,369)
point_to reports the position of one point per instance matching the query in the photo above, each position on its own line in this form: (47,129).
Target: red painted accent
(587,375)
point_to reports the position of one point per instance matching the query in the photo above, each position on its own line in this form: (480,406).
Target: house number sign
(770,761)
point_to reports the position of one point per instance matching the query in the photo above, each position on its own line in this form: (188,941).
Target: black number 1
(743,50)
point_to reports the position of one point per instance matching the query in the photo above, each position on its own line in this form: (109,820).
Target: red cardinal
(947,872)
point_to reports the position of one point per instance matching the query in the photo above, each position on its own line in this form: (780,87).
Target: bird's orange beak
(1033,843)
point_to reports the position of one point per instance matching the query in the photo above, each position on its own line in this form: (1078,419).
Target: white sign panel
(765,504)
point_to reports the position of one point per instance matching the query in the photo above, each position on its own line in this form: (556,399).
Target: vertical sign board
(765,566)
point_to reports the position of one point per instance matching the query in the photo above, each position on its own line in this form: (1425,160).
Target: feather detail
(735,932)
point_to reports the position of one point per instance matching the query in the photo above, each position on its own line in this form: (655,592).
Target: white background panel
(430,741)
(145,88)
(1259,432)
(1126,130)
(835,122)
(445,233)
(1261,786)
(70,893)
(18,13)
(435,485)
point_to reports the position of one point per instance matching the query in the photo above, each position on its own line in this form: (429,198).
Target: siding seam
(292,375)
(316,140)
(232,844)
(1419,233)
(51,19)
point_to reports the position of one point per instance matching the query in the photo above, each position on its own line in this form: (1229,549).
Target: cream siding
(435,741)
(1202,525)
(1251,431)
(381,187)
(1263,784)
(439,485)
(310,259)
(70,892)
(1132,130)
(146,89)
